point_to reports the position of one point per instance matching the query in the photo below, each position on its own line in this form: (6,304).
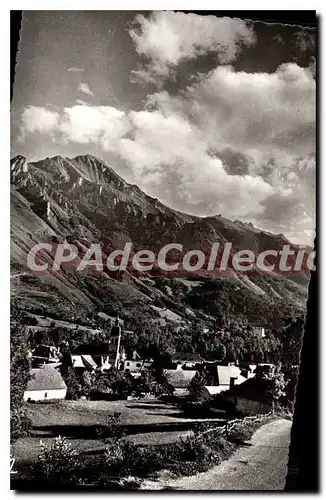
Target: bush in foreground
(58,462)
(206,447)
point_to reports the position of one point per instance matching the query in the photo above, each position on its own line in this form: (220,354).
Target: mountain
(82,200)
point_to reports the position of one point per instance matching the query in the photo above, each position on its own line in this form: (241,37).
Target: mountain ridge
(83,200)
(57,159)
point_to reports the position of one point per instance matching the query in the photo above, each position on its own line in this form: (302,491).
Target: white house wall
(45,395)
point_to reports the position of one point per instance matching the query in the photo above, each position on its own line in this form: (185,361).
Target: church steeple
(116,332)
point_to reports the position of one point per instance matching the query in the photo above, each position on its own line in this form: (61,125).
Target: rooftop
(254,389)
(45,378)
(180,379)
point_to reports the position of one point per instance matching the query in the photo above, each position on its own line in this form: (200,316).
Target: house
(252,396)
(180,380)
(187,360)
(247,371)
(222,376)
(103,362)
(43,354)
(210,390)
(83,361)
(45,384)
(133,365)
(102,355)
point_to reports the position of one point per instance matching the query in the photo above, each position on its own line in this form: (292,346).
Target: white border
(5,155)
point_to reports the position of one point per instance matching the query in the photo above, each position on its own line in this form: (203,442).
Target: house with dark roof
(83,361)
(222,375)
(252,396)
(180,379)
(43,354)
(45,384)
(187,359)
(91,357)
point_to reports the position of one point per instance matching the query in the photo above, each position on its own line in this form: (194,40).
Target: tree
(275,383)
(196,387)
(73,384)
(120,383)
(219,351)
(161,383)
(291,336)
(291,379)
(87,382)
(147,383)
(19,374)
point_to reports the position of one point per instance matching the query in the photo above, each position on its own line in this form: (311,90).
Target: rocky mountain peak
(18,165)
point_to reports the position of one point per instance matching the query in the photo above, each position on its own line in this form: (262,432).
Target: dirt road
(259,466)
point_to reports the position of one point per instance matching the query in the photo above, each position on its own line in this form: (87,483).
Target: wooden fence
(225,429)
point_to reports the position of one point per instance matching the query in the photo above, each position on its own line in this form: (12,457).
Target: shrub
(196,387)
(196,453)
(114,457)
(58,462)
(112,428)
(20,424)
(19,373)
(244,430)
(72,383)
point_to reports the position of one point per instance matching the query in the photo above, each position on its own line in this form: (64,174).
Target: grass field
(144,422)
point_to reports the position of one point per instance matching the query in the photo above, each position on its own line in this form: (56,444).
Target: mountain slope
(82,200)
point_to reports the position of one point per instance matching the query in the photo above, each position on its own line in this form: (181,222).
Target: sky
(211,115)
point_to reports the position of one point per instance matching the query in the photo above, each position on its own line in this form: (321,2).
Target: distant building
(102,355)
(247,371)
(187,360)
(180,380)
(44,354)
(134,364)
(252,396)
(83,361)
(103,362)
(210,390)
(222,376)
(45,384)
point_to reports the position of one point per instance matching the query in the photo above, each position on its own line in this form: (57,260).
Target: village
(48,364)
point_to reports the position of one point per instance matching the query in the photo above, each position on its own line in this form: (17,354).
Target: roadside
(258,466)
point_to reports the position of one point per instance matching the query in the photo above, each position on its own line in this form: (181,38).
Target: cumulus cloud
(252,110)
(236,143)
(167,38)
(84,88)
(38,119)
(83,124)
(102,125)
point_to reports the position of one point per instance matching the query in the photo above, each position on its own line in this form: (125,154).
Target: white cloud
(236,143)
(253,110)
(84,87)
(102,125)
(38,119)
(168,151)
(167,38)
